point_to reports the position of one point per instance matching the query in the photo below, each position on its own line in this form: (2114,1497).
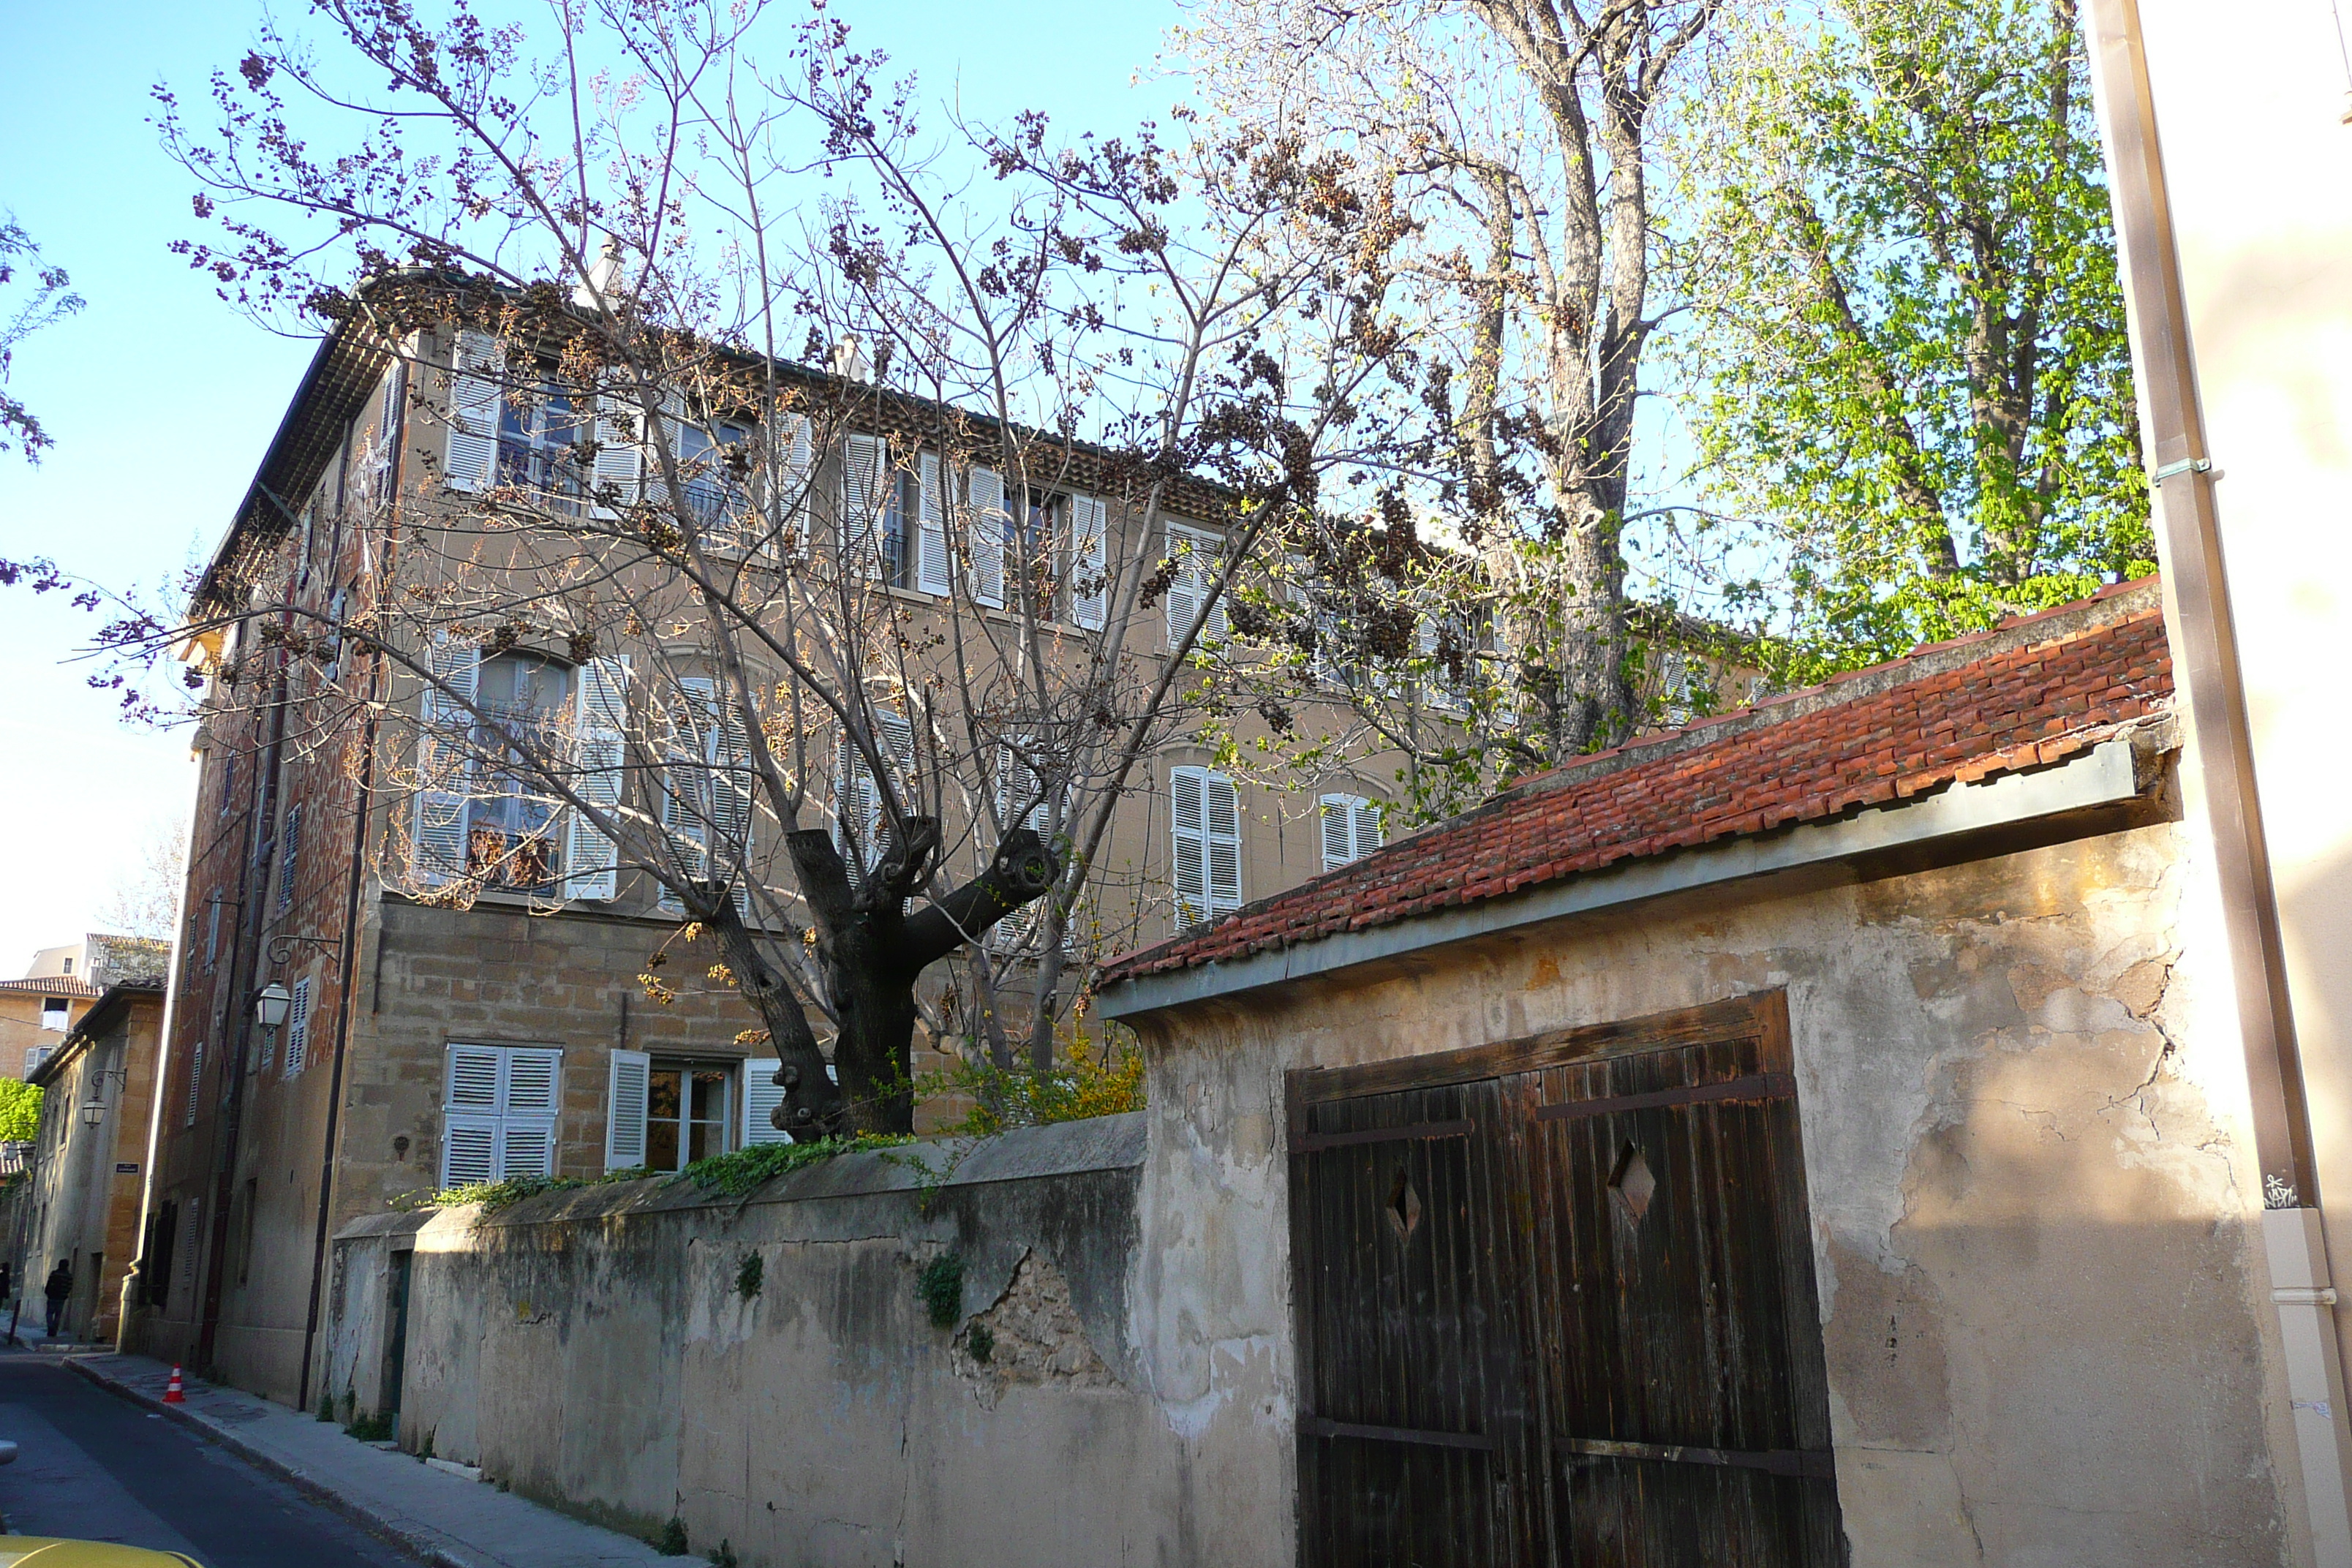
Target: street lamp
(93,1112)
(269,1007)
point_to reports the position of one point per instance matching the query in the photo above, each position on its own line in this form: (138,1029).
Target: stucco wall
(593,1350)
(2031,1208)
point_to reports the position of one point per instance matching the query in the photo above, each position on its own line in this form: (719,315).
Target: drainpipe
(2205,662)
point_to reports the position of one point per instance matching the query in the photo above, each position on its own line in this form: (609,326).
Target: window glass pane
(664,1090)
(710,1095)
(704,1140)
(661,1145)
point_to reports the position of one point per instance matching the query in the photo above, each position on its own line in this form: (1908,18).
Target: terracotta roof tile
(2025,701)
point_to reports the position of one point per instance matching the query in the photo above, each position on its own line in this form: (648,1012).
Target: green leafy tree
(20,1110)
(1909,366)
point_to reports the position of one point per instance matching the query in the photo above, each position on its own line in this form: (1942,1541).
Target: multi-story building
(82,1206)
(465,977)
(38,1011)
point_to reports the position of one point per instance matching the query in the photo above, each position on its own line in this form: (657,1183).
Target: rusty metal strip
(1818,1464)
(1312,1142)
(1317,1426)
(1760,1086)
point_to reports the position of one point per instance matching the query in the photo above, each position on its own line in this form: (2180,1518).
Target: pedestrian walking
(59,1287)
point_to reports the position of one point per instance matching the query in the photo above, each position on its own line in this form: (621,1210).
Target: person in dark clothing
(61,1286)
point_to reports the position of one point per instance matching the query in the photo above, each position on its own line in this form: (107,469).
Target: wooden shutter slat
(628,1091)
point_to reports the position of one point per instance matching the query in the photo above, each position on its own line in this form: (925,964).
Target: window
(1090,562)
(718,503)
(228,783)
(1205,812)
(69,969)
(1351,829)
(35,1056)
(498,1114)
(288,856)
(56,1011)
(1195,553)
(212,932)
(861,818)
(505,430)
(707,789)
(665,1113)
(196,1079)
(298,1027)
(1025,800)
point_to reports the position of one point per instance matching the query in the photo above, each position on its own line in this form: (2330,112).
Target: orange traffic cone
(172,1392)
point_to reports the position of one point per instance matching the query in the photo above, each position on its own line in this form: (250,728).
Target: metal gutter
(2110,775)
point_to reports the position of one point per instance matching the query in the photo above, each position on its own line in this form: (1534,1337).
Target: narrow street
(93,1466)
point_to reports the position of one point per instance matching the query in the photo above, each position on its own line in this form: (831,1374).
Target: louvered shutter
(298,1027)
(686,783)
(858,808)
(984,538)
(761,1095)
(732,797)
(530,1100)
(796,446)
(443,763)
(1195,553)
(1224,836)
(600,707)
(469,1148)
(478,361)
(196,1079)
(473,1080)
(626,1097)
(1369,836)
(620,465)
(1183,598)
(863,461)
(1018,789)
(1338,831)
(1089,560)
(289,855)
(1187,813)
(212,934)
(931,573)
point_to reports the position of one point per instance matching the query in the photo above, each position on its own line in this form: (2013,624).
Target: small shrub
(749,1275)
(981,1344)
(940,1285)
(372,1427)
(326,1406)
(671,1543)
(721,1555)
(1103,1082)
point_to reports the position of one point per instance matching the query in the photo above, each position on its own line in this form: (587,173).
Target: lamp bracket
(281,948)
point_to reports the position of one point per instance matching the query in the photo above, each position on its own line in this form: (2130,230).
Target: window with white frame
(509,428)
(861,817)
(35,1056)
(664,1113)
(706,794)
(498,1113)
(1350,829)
(1026,795)
(1204,811)
(57,1012)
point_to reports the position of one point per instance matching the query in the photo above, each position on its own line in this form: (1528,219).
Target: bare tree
(47,299)
(726,526)
(145,902)
(1511,140)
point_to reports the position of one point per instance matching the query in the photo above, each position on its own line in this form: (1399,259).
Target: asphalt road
(92,1465)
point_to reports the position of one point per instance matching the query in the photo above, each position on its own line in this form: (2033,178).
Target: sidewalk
(442,1517)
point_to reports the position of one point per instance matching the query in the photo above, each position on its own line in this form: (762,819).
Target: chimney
(603,284)
(849,360)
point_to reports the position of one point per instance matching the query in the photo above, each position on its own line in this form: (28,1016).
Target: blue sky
(161,399)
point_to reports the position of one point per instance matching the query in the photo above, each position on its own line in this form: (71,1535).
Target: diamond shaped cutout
(1403,1206)
(1630,1185)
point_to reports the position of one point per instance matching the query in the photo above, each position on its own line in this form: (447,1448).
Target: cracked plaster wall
(2031,1197)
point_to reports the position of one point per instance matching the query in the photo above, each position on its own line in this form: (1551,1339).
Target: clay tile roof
(54,985)
(2032,692)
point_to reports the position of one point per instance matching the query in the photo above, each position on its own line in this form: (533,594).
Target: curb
(387,1530)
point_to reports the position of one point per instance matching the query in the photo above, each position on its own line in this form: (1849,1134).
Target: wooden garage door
(1556,1304)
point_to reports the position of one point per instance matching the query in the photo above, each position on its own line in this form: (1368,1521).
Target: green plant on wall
(20,1112)
(749,1275)
(940,1285)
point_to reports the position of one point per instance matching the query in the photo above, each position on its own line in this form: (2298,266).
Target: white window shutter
(196,1079)
(860,807)
(931,573)
(474,1072)
(469,1148)
(1184,597)
(1090,559)
(1338,831)
(592,861)
(624,1110)
(298,1027)
(796,445)
(478,361)
(686,781)
(620,463)
(761,1095)
(863,461)
(1188,817)
(526,1147)
(1368,835)
(534,1085)
(984,537)
(1019,789)
(445,767)
(1224,839)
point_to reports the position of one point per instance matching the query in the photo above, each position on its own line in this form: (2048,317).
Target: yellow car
(47,1551)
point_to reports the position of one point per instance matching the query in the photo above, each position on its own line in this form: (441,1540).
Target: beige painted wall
(2033,1227)
(2258,163)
